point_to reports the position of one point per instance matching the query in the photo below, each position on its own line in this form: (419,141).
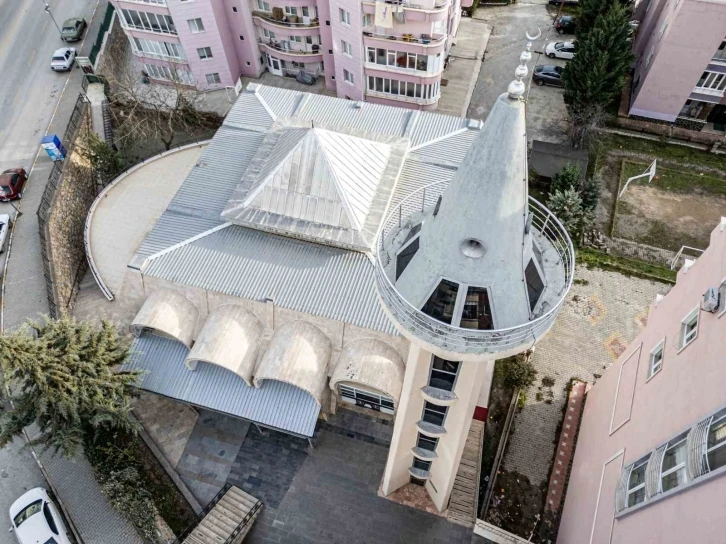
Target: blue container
(54,147)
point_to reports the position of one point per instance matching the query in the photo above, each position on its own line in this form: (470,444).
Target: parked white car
(4,230)
(35,519)
(63,59)
(560,50)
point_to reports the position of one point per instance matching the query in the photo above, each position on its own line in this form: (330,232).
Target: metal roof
(304,276)
(274,404)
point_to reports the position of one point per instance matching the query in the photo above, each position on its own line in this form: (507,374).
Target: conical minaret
(469,271)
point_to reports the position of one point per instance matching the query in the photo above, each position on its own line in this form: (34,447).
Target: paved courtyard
(546,113)
(603,313)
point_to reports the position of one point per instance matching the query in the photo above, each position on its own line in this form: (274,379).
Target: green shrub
(568,208)
(567,178)
(518,371)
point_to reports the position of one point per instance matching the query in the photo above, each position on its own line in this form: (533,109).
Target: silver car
(4,230)
(63,59)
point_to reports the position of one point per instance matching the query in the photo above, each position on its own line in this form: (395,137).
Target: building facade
(651,450)
(680,72)
(390,52)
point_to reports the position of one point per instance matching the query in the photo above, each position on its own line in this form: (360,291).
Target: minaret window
(477,312)
(535,285)
(443,373)
(405,255)
(442,302)
(426,442)
(421,465)
(434,414)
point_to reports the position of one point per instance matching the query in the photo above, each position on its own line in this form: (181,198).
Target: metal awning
(274,404)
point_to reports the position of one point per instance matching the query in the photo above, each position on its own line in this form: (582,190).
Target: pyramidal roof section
(318,183)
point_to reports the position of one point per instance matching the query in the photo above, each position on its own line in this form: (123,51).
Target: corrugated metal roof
(434,125)
(448,150)
(304,276)
(248,111)
(274,404)
(172,228)
(210,183)
(281,101)
(416,175)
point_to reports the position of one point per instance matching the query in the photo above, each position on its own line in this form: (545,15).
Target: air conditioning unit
(710,300)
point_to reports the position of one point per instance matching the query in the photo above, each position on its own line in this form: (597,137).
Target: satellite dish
(533,38)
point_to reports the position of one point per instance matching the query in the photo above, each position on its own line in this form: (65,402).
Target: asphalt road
(29,100)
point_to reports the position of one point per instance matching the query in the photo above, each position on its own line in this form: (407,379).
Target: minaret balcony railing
(450,338)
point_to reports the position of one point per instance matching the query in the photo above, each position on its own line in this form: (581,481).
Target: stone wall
(112,59)
(671,131)
(66,221)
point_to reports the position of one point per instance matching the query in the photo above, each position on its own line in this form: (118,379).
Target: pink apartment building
(680,75)
(389,52)
(651,450)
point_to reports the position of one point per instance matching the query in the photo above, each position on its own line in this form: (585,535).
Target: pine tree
(596,75)
(590,10)
(63,377)
(567,207)
(567,178)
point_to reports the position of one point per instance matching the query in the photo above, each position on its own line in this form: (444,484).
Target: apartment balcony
(153,29)
(404,98)
(423,44)
(437,336)
(438,10)
(425,76)
(286,22)
(143,2)
(307,53)
(157,56)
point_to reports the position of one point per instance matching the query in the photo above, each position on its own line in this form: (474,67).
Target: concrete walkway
(115,239)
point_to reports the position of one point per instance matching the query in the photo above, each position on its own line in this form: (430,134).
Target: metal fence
(46,205)
(105,25)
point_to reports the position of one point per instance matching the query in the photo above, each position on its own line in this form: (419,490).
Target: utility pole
(47,9)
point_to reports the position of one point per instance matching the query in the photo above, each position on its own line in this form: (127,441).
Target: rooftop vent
(357,105)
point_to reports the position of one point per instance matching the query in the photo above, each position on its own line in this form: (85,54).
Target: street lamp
(47,9)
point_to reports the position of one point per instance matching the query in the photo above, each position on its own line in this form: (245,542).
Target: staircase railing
(242,524)
(205,511)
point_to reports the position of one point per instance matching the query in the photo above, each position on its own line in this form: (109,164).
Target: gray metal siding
(312,278)
(248,110)
(449,150)
(274,404)
(172,228)
(430,126)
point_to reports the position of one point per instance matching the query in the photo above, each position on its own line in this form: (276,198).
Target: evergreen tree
(63,377)
(590,193)
(567,178)
(567,207)
(590,10)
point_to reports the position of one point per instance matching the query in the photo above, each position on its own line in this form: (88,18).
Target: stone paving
(603,313)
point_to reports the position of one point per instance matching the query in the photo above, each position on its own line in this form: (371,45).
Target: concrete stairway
(229,517)
(465,493)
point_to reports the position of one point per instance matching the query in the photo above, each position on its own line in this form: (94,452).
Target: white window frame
(216,79)
(348,77)
(650,56)
(263,6)
(205,53)
(455,374)
(291,10)
(687,338)
(344,16)
(680,466)
(196,25)
(629,491)
(663,28)
(722,298)
(658,349)
(347,48)
(721,444)
(367,20)
(445,414)
(295,39)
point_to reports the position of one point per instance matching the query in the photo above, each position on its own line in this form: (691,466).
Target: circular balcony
(447,340)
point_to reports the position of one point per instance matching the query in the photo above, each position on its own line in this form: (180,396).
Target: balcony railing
(423,39)
(147,2)
(158,56)
(438,4)
(456,339)
(284,22)
(404,98)
(309,49)
(708,91)
(154,29)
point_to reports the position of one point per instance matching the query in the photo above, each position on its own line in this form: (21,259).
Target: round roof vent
(473,248)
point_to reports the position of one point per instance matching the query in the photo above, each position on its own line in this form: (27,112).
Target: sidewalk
(25,297)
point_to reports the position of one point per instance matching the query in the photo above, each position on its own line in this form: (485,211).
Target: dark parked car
(566,2)
(566,24)
(550,75)
(73,28)
(11,184)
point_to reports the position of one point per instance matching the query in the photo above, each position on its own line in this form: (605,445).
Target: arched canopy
(371,363)
(298,354)
(168,313)
(230,338)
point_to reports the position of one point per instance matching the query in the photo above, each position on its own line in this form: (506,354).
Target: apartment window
(689,328)
(477,312)
(434,414)
(421,464)
(213,79)
(443,373)
(347,48)
(720,54)
(158,49)
(169,74)
(673,467)
(312,40)
(656,359)
(426,442)
(716,442)
(662,29)
(722,298)
(348,77)
(289,10)
(322,67)
(268,34)
(636,482)
(442,301)
(367,19)
(150,22)
(650,56)
(295,39)
(402,88)
(204,53)
(344,16)
(195,26)
(263,6)
(712,81)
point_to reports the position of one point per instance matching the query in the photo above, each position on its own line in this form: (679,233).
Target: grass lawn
(629,267)
(678,181)
(659,150)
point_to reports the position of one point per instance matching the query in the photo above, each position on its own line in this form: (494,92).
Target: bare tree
(584,123)
(145,109)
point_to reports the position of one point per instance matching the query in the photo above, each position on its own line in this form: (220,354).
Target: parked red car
(11,184)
